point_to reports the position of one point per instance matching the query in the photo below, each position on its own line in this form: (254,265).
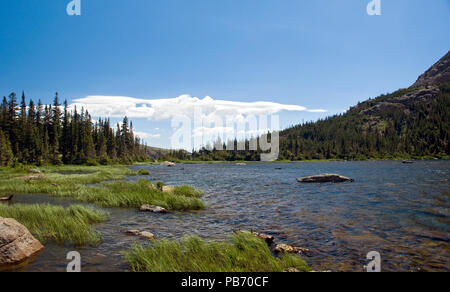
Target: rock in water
(269,239)
(168,163)
(325,178)
(143,234)
(154,209)
(132,232)
(5,199)
(292,249)
(147,235)
(16,242)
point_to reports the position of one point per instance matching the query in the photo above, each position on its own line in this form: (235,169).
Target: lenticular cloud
(184,105)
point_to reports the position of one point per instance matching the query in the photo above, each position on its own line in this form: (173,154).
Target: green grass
(93,185)
(136,194)
(143,172)
(54,223)
(242,253)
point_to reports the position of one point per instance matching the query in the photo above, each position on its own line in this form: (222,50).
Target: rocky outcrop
(168,163)
(438,73)
(16,243)
(34,171)
(153,209)
(325,178)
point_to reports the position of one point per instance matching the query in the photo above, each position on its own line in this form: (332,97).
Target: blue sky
(321,54)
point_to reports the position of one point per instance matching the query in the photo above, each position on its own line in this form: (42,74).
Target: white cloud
(184,105)
(144,135)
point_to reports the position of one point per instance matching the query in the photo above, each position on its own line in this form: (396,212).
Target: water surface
(399,210)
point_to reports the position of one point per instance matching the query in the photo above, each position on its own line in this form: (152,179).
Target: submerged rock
(154,209)
(325,178)
(16,242)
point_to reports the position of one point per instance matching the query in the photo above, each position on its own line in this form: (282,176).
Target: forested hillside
(38,134)
(412,122)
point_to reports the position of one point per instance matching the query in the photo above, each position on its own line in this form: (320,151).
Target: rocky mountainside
(438,73)
(411,122)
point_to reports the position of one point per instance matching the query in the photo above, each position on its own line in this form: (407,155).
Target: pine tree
(6,155)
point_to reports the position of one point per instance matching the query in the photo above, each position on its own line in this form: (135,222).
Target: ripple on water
(398,210)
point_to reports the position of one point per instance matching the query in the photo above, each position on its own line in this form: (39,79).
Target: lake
(400,210)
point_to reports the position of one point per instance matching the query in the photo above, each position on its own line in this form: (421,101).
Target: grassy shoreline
(243,252)
(99,185)
(71,225)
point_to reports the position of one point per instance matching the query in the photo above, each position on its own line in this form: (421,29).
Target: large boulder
(325,178)
(16,243)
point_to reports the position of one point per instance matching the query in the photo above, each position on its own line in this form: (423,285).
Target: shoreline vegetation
(72,225)
(243,252)
(100,185)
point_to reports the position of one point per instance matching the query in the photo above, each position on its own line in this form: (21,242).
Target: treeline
(415,129)
(54,134)
(214,152)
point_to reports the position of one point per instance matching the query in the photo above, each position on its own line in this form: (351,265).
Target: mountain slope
(412,122)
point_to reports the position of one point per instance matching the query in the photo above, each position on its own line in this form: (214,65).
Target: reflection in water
(401,211)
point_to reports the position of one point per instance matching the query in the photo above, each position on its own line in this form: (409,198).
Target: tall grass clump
(242,253)
(55,223)
(91,184)
(136,194)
